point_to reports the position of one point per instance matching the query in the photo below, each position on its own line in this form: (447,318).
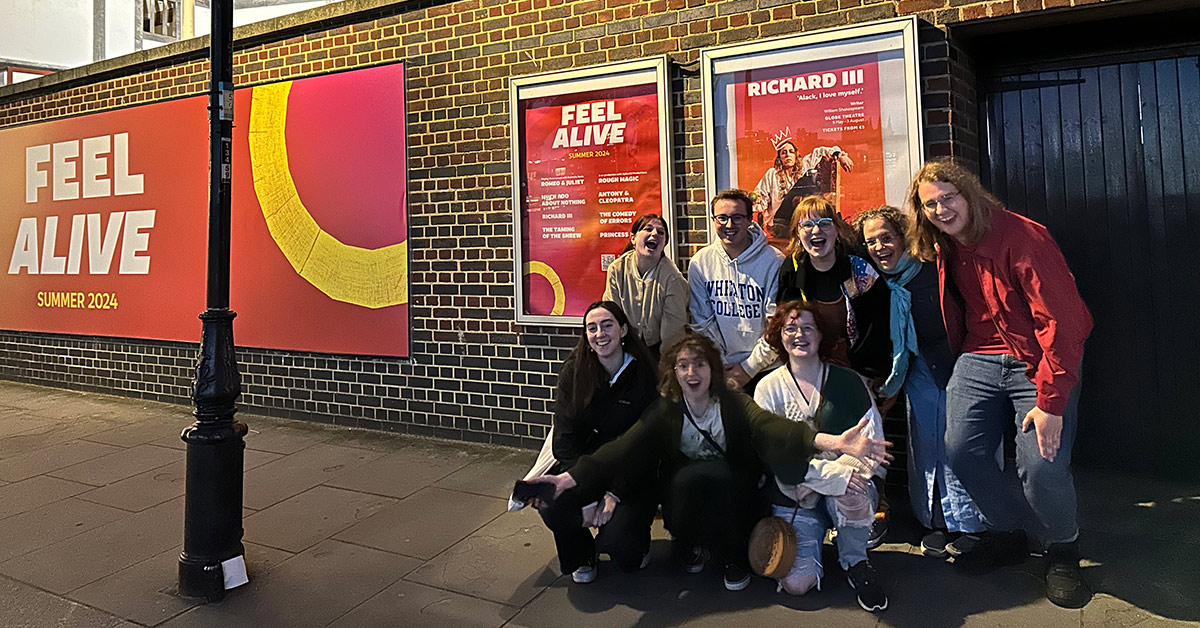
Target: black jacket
(755,440)
(611,411)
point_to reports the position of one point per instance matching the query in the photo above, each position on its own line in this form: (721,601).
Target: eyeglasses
(735,219)
(684,366)
(883,240)
(820,224)
(942,200)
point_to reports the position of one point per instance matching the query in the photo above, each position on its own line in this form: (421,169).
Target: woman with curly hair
(922,361)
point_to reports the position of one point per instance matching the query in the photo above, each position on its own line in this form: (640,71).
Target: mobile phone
(525,490)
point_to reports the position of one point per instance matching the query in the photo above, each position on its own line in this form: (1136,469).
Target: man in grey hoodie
(732,287)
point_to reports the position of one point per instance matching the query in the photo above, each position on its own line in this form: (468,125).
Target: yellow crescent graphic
(371,278)
(560,295)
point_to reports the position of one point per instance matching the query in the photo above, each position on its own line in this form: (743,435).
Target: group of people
(966,306)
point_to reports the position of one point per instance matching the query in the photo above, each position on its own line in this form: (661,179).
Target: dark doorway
(1107,156)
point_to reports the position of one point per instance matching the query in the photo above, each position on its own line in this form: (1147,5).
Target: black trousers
(714,506)
(626,536)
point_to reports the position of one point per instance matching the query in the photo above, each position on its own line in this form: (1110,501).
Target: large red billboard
(104,218)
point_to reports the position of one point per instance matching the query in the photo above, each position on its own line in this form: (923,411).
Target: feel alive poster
(590,165)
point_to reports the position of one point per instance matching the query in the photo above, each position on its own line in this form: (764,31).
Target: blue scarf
(904,334)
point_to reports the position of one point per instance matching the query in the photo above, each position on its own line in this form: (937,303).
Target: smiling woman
(648,286)
(605,384)
(849,301)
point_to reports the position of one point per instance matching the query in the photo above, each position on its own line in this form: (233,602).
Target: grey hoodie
(731,299)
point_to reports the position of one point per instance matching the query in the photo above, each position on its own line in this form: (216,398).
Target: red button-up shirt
(1032,298)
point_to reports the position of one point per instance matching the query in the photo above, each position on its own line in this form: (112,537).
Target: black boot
(1064,580)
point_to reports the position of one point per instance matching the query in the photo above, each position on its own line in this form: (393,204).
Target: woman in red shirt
(1021,338)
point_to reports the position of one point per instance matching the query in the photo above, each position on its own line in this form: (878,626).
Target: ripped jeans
(851,514)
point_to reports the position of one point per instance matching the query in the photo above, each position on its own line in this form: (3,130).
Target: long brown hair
(826,209)
(575,392)
(923,235)
(668,383)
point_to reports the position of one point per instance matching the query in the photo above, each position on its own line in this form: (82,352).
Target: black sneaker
(865,583)
(879,529)
(1064,581)
(994,550)
(693,559)
(961,543)
(736,578)
(934,544)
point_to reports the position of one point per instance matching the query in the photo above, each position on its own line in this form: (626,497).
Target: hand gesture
(855,442)
(1049,431)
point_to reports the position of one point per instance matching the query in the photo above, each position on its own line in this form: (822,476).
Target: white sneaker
(584,574)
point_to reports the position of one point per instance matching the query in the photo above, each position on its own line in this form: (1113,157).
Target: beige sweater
(655,304)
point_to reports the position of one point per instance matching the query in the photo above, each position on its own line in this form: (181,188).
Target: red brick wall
(476,374)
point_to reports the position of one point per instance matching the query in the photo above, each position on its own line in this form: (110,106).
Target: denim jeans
(810,525)
(987,393)
(931,482)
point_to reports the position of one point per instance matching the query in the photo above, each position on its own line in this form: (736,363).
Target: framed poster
(104,218)
(835,113)
(591,152)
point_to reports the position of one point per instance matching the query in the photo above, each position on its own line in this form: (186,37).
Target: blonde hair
(922,234)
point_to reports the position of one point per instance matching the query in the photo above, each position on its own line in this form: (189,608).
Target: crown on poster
(782,137)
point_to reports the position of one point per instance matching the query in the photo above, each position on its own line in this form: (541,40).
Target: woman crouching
(837,492)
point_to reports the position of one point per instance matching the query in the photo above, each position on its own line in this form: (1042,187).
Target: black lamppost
(212,519)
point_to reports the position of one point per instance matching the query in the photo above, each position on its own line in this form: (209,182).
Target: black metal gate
(1108,158)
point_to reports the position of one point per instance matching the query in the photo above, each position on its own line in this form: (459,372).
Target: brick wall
(475,374)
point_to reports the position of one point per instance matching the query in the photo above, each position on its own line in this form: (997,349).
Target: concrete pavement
(351,528)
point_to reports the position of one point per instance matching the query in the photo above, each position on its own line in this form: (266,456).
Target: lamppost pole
(212,520)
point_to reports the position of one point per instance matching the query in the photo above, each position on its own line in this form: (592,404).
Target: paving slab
(140,592)
(1106,611)
(311,589)
(51,458)
(58,431)
(283,438)
(510,561)
(426,523)
(36,492)
(118,465)
(493,474)
(1147,507)
(293,474)
(142,432)
(101,551)
(1160,578)
(418,606)
(300,522)
(143,490)
(49,524)
(402,473)
(23,606)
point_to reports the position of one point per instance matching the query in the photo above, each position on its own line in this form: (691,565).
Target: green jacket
(755,440)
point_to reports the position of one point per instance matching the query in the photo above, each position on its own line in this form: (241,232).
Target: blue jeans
(986,394)
(851,515)
(931,482)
